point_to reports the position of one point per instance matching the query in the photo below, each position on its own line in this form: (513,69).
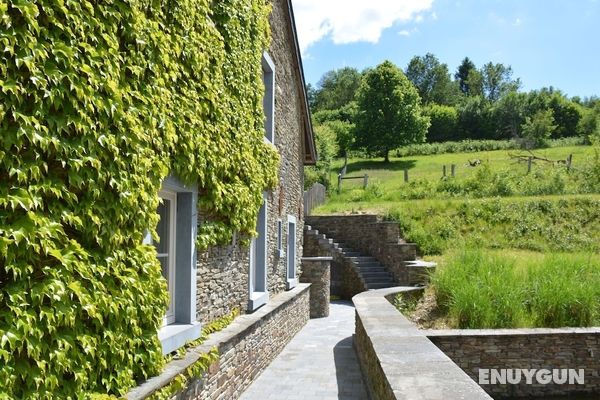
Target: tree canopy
(389,111)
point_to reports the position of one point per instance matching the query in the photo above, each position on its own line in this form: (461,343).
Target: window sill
(177,335)
(257,299)
(291,283)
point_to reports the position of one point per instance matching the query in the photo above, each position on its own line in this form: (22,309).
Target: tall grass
(482,290)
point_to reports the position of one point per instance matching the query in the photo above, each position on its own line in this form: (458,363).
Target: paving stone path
(318,363)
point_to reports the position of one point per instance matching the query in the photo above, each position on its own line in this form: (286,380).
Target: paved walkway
(319,363)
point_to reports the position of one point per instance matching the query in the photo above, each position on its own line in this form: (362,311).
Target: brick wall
(570,348)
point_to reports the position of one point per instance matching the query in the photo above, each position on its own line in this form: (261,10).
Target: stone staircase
(371,272)
(368,253)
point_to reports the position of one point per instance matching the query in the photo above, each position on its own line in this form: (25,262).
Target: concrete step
(378,279)
(376,274)
(351,254)
(368,264)
(363,259)
(380,285)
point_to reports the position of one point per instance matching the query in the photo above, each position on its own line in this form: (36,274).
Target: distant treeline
(367,111)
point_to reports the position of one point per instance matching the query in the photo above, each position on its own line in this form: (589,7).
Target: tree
(337,88)
(497,80)
(538,128)
(444,122)
(432,80)
(389,113)
(510,113)
(462,75)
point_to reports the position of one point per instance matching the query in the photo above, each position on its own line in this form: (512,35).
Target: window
(258,262)
(268,68)
(165,247)
(292,281)
(280,252)
(176,251)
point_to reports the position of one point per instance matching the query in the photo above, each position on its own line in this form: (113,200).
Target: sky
(546,42)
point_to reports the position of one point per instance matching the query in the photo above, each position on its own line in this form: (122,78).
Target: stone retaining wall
(570,348)
(367,234)
(246,348)
(398,361)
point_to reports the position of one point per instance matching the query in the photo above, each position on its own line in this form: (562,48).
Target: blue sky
(547,43)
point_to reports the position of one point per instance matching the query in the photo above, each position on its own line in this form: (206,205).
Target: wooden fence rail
(314,197)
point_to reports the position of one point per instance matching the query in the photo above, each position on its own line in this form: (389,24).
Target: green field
(537,234)
(386,181)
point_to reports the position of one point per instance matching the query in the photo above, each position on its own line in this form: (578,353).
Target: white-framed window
(165,246)
(176,251)
(291,277)
(258,293)
(268,68)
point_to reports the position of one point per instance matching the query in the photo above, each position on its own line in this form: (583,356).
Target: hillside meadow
(514,248)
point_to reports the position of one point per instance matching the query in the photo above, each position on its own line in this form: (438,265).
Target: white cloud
(404,32)
(518,22)
(349,21)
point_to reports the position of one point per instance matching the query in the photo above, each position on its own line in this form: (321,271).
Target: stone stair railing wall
(345,279)
(369,235)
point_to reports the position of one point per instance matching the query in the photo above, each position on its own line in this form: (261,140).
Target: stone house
(204,286)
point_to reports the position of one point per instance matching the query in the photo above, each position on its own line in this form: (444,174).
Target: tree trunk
(387,156)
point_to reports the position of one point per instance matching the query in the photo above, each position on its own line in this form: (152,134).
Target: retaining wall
(398,361)
(246,348)
(569,348)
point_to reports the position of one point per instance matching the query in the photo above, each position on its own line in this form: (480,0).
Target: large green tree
(389,111)
(497,80)
(432,80)
(462,74)
(336,89)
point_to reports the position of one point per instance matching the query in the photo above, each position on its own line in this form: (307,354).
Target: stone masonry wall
(365,233)
(246,348)
(398,361)
(345,279)
(316,271)
(222,274)
(570,348)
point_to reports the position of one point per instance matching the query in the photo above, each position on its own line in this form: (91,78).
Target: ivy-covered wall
(99,102)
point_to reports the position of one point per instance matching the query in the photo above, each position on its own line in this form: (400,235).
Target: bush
(473,146)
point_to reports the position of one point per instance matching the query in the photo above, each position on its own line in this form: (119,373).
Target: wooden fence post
(569,161)
(366,181)
(443,171)
(339,189)
(453,170)
(529,161)
(405,175)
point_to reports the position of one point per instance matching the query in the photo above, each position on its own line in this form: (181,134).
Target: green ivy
(99,102)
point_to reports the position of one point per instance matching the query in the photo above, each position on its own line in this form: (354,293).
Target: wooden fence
(314,197)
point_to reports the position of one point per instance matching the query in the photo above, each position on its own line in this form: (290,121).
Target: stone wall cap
(510,332)
(323,258)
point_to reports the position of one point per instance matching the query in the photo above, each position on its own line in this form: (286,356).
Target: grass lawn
(430,167)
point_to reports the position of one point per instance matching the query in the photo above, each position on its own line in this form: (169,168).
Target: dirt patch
(426,313)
